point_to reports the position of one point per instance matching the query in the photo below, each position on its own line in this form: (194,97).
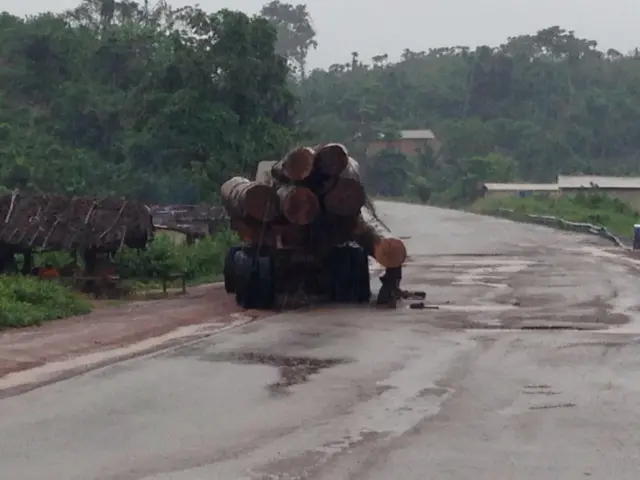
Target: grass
(26,301)
(595,208)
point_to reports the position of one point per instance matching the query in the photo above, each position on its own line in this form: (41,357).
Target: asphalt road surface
(471,390)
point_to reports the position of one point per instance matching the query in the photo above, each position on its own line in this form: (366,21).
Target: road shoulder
(113,332)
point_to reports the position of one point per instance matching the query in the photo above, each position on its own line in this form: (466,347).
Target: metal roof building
(519,187)
(598,181)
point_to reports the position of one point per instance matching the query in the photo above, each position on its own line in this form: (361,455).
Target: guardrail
(563,224)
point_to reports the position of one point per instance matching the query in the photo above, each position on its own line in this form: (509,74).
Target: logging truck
(307,235)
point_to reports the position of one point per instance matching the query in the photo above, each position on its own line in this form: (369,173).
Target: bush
(28,301)
(163,258)
(595,208)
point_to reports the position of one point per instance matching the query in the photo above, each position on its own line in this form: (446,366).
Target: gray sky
(374,27)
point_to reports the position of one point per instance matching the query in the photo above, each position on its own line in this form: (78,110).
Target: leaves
(549,102)
(26,301)
(146,101)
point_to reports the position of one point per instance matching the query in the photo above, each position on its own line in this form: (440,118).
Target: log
(329,230)
(295,166)
(290,236)
(345,194)
(331,159)
(275,235)
(389,251)
(248,231)
(299,205)
(244,198)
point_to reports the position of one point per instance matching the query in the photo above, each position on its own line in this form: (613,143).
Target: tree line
(164,104)
(538,105)
(151,102)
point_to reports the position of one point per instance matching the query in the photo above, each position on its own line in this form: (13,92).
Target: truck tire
(360,273)
(254,280)
(264,297)
(229,269)
(242,267)
(341,276)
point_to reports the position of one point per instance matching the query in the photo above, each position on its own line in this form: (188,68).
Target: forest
(162,104)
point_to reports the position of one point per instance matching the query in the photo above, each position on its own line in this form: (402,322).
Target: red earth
(112,326)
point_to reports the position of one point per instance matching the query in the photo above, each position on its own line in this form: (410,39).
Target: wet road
(471,390)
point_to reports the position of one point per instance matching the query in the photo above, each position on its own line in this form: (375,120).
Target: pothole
(293,370)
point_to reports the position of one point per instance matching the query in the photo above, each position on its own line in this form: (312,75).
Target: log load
(276,235)
(389,251)
(320,204)
(345,194)
(331,159)
(243,198)
(299,205)
(297,165)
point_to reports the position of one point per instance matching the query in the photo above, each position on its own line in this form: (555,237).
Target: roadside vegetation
(595,208)
(163,260)
(26,301)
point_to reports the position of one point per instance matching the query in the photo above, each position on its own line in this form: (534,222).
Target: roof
(594,181)
(519,187)
(417,134)
(57,222)
(412,135)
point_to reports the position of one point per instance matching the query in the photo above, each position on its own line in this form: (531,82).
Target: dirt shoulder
(113,326)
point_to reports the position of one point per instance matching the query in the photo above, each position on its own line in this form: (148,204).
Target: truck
(307,237)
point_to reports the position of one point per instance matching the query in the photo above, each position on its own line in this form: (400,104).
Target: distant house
(187,222)
(626,189)
(500,190)
(409,142)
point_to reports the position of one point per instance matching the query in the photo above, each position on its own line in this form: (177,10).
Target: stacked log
(311,198)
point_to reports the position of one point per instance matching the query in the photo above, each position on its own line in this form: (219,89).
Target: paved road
(455,393)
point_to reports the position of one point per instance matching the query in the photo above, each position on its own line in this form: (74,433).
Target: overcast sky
(373,27)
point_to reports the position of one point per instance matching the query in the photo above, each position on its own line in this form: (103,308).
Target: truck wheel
(254,284)
(242,268)
(341,286)
(360,275)
(264,297)
(229,269)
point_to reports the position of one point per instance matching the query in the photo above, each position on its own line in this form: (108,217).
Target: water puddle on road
(292,370)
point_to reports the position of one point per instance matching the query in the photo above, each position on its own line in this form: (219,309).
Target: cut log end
(331,159)
(244,198)
(299,205)
(347,197)
(390,252)
(298,164)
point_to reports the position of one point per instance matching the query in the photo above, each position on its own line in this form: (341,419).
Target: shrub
(162,258)
(28,301)
(588,207)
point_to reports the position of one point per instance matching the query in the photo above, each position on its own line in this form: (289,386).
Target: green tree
(296,35)
(551,102)
(154,103)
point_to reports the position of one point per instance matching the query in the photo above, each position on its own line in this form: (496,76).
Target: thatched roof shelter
(56,222)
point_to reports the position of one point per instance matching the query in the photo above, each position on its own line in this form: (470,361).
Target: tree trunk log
(244,198)
(331,159)
(295,166)
(299,205)
(389,251)
(345,194)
